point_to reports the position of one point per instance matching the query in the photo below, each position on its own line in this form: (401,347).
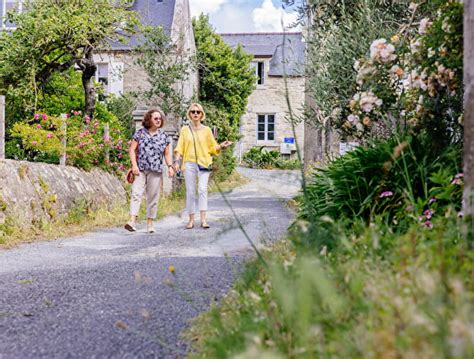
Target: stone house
(266,122)
(116,69)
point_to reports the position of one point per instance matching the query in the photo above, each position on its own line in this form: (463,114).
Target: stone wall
(32,192)
(270,99)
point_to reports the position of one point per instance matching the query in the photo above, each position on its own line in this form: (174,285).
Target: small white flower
(424,25)
(382,51)
(446,26)
(353,118)
(415,46)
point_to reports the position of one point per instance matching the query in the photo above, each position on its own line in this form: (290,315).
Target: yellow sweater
(205,146)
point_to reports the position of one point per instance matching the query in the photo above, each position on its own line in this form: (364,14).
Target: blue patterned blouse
(151,149)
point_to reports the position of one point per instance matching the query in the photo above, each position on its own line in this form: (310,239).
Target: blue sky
(244,15)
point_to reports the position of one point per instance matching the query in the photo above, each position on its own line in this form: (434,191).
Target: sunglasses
(157,118)
(197,112)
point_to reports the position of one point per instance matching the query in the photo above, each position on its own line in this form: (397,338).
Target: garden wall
(33,192)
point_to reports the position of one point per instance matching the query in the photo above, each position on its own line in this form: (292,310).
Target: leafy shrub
(397,178)
(86,142)
(260,157)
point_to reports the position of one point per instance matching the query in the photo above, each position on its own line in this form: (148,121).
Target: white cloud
(205,6)
(267,17)
(233,18)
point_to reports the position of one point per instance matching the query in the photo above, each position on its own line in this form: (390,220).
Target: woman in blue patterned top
(148,148)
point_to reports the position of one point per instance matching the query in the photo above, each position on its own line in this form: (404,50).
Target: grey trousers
(191,171)
(149,182)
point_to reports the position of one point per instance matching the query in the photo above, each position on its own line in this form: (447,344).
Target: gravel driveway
(110,293)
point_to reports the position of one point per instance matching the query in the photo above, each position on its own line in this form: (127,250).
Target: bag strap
(194,142)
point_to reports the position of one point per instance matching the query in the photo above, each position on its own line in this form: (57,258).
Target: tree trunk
(468,195)
(88,68)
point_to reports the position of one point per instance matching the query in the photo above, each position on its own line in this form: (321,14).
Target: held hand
(226,144)
(135,170)
(176,167)
(170,171)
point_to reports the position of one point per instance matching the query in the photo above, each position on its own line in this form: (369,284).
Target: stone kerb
(31,192)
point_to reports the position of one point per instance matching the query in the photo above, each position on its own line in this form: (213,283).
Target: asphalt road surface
(110,293)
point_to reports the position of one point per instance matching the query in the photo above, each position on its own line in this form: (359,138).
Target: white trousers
(149,182)
(191,171)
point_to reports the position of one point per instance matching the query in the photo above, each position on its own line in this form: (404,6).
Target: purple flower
(49,135)
(428,213)
(432,200)
(45,116)
(37,116)
(457,181)
(68,115)
(38,126)
(386,194)
(428,224)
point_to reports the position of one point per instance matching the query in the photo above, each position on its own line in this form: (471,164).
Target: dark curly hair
(146,122)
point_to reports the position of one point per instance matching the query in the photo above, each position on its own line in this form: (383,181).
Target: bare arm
(169,161)
(132,152)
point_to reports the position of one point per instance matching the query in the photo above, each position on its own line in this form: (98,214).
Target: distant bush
(259,157)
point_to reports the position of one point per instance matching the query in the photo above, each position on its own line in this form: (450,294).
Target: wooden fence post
(107,142)
(62,159)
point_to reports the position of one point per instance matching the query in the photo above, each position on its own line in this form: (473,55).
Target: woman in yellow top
(194,151)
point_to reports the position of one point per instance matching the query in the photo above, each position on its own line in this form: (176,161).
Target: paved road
(110,293)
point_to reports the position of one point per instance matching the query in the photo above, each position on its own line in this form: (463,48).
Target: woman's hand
(135,170)
(226,144)
(170,171)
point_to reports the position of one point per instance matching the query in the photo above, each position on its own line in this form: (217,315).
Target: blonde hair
(195,104)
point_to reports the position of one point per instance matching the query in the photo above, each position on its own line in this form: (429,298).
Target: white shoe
(151,228)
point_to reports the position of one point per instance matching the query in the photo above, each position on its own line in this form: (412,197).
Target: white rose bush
(411,82)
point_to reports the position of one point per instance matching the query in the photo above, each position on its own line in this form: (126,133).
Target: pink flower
(428,224)
(49,135)
(34,143)
(45,116)
(38,126)
(432,200)
(68,115)
(75,113)
(37,116)
(121,168)
(457,181)
(386,194)
(428,213)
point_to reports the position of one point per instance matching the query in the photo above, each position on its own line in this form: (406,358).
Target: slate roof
(271,45)
(151,12)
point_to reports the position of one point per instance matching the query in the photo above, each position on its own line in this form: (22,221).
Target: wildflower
(34,143)
(68,115)
(428,213)
(386,194)
(445,26)
(396,71)
(458,179)
(44,116)
(366,121)
(413,6)
(38,126)
(395,38)
(353,118)
(428,224)
(424,25)
(367,101)
(432,200)
(49,135)
(415,46)
(381,51)
(171,269)
(121,168)
(37,116)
